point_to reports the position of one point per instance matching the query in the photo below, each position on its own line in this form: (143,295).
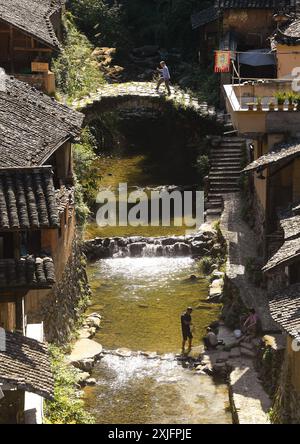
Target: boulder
(216,289)
(91,381)
(136,248)
(247,353)
(85,352)
(93,321)
(198,247)
(84,333)
(123,352)
(82,378)
(181,249)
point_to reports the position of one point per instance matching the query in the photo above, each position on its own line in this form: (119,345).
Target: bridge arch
(134,95)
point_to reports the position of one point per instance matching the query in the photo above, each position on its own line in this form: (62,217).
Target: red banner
(222,61)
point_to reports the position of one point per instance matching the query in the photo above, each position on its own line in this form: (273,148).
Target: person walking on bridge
(165,77)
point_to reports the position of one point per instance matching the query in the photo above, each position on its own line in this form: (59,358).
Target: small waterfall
(177,246)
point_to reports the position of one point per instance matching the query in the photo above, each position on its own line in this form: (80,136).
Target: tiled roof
(290,250)
(26,365)
(285,309)
(287,253)
(290,35)
(28,199)
(32,124)
(212,13)
(282,152)
(291,227)
(27,272)
(32,17)
(203,17)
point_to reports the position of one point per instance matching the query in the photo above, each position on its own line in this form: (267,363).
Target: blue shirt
(165,73)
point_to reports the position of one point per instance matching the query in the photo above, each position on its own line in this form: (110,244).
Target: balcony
(254,107)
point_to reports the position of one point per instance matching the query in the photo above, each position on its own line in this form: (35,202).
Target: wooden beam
(7,299)
(22,49)
(11,50)
(20,315)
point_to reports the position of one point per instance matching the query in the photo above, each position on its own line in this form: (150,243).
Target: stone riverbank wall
(68,300)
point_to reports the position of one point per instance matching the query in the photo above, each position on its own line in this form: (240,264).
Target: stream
(141,300)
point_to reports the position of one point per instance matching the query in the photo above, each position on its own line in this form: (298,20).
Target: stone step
(239,145)
(233,139)
(225,167)
(225,153)
(224,173)
(213,204)
(223,190)
(210,206)
(226,164)
(214,211)
(224,182)
(225,148)
(214,196)
(224,156)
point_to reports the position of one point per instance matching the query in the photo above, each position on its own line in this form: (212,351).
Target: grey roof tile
(32,124)
(285,309)
(32,17)
(25,364)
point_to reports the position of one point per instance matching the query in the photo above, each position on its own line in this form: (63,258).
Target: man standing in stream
(186,324)
(165,77)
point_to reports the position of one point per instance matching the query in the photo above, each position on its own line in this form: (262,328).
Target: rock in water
(123,352)
(85,349)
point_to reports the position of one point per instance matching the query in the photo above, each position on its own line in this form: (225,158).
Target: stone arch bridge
(113,97)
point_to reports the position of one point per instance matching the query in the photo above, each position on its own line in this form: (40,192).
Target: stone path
(143,90)
(249,402)
(241,243)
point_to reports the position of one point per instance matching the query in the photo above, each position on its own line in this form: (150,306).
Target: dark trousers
(166,82)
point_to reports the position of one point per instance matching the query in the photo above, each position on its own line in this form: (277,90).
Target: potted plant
(271,106)
(291,97)
(250,106)
(297,100)
(281,97)
(258,104)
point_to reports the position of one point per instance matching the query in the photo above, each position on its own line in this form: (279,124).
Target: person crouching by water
(165,77)
(211,340)
(186,325)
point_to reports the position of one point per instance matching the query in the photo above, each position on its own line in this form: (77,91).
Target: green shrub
(102,21)
(205,265)
(203,167)
(67,407)
(86,169)
(76,69)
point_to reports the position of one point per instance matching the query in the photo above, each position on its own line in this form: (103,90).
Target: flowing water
(141,300)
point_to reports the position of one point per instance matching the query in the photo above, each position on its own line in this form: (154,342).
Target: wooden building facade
(30,34)
(37,215)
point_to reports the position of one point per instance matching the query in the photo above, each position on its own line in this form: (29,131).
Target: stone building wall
(68,300)
(286,408)
(276,367)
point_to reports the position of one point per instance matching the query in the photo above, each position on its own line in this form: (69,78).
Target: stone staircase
(225,159)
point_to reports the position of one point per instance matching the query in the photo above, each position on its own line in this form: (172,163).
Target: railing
(258,94)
